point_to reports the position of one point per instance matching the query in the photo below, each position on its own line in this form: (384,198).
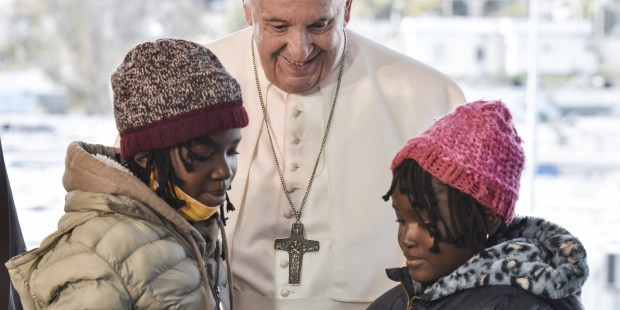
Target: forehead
(224,138)
(296,10)
(439,191)
(401,203)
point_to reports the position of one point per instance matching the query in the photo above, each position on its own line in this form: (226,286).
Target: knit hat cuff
(184,127)
(444,166)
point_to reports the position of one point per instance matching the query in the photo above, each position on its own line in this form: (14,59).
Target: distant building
(5,24)
(610,47)
(466,47)
(30,91)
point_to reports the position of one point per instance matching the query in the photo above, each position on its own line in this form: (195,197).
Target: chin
(299,84)
(421,279)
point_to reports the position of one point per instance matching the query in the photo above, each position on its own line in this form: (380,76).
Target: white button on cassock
(294,140)
(284,263)
(293,166)
(284,292)
(288,213)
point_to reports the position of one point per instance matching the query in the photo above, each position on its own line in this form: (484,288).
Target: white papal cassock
(385,98)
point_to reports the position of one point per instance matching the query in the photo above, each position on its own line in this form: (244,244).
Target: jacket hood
(533,254)
(94,168)
(97,184)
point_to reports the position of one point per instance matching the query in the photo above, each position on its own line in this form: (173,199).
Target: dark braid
(160,160)
(468,227)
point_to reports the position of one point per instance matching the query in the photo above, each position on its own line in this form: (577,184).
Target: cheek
(450,258)
(268,44)
(399,235)
(191,185)
(327,43)
(233,166)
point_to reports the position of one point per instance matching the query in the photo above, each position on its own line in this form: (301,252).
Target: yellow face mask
(193,210)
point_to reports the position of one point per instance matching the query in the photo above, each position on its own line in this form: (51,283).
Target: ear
(141,159)
(493,222)
(247,10)
(347,11)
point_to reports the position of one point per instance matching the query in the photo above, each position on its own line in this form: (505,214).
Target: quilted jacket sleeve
(78,272)
(112,262)
(91,285)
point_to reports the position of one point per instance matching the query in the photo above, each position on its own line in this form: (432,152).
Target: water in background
(34,150)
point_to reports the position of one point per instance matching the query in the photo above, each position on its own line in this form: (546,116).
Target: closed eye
(321,26)
(201,157)
(280,28)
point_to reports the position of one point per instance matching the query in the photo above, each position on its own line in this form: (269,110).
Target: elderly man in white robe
(328,109)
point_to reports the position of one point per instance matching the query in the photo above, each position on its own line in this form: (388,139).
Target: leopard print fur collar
(534,254)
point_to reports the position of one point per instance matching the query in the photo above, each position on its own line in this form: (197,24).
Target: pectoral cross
(296,245)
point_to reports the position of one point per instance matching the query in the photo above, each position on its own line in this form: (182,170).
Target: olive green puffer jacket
(119,246)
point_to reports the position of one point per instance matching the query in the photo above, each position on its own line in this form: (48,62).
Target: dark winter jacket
(534,265)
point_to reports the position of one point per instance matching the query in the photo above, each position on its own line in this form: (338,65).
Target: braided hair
(161,161)
(468,226)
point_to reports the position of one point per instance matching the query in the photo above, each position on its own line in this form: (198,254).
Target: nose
(224,168)
(299,45)
(409,234)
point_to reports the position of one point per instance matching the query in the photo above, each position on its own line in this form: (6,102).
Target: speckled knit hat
(475,149)
(171,91)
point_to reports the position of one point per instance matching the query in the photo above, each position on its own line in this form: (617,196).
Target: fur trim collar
(534,255)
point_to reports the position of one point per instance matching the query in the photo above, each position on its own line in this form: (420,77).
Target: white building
(30,90)
(466,47)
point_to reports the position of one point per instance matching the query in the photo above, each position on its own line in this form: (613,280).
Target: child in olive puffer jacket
(141,228)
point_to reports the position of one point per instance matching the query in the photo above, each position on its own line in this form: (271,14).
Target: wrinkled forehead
(289,10)
(294,3)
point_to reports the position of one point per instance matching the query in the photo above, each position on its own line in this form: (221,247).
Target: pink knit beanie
(474,149)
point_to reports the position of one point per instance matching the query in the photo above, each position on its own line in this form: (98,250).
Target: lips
(295,62)
(414,261)
(214,197)
(217,192)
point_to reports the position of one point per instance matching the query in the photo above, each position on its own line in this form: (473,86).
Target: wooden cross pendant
(296,245)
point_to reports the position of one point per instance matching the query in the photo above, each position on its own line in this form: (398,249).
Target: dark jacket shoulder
(395,298)
(503,297)
(500,297)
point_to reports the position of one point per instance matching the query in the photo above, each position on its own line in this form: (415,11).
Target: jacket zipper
(218,300)
(410,299)
(216,289)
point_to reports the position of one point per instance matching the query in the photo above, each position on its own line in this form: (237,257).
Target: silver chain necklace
(296,245)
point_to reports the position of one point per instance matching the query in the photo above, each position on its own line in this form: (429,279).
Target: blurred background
(555,63)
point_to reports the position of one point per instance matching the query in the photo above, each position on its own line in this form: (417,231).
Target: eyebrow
(319,20)
(208,142)
(275,19)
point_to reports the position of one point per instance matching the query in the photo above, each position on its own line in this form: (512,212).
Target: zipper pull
(218,298)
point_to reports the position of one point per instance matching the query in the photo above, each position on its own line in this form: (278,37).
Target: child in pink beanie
(454,191)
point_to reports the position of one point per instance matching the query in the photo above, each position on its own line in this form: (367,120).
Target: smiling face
(416,241)
(297,40)
(214,166)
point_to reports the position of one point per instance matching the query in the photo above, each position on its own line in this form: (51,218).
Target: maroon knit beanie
(476,150)
(172,91)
